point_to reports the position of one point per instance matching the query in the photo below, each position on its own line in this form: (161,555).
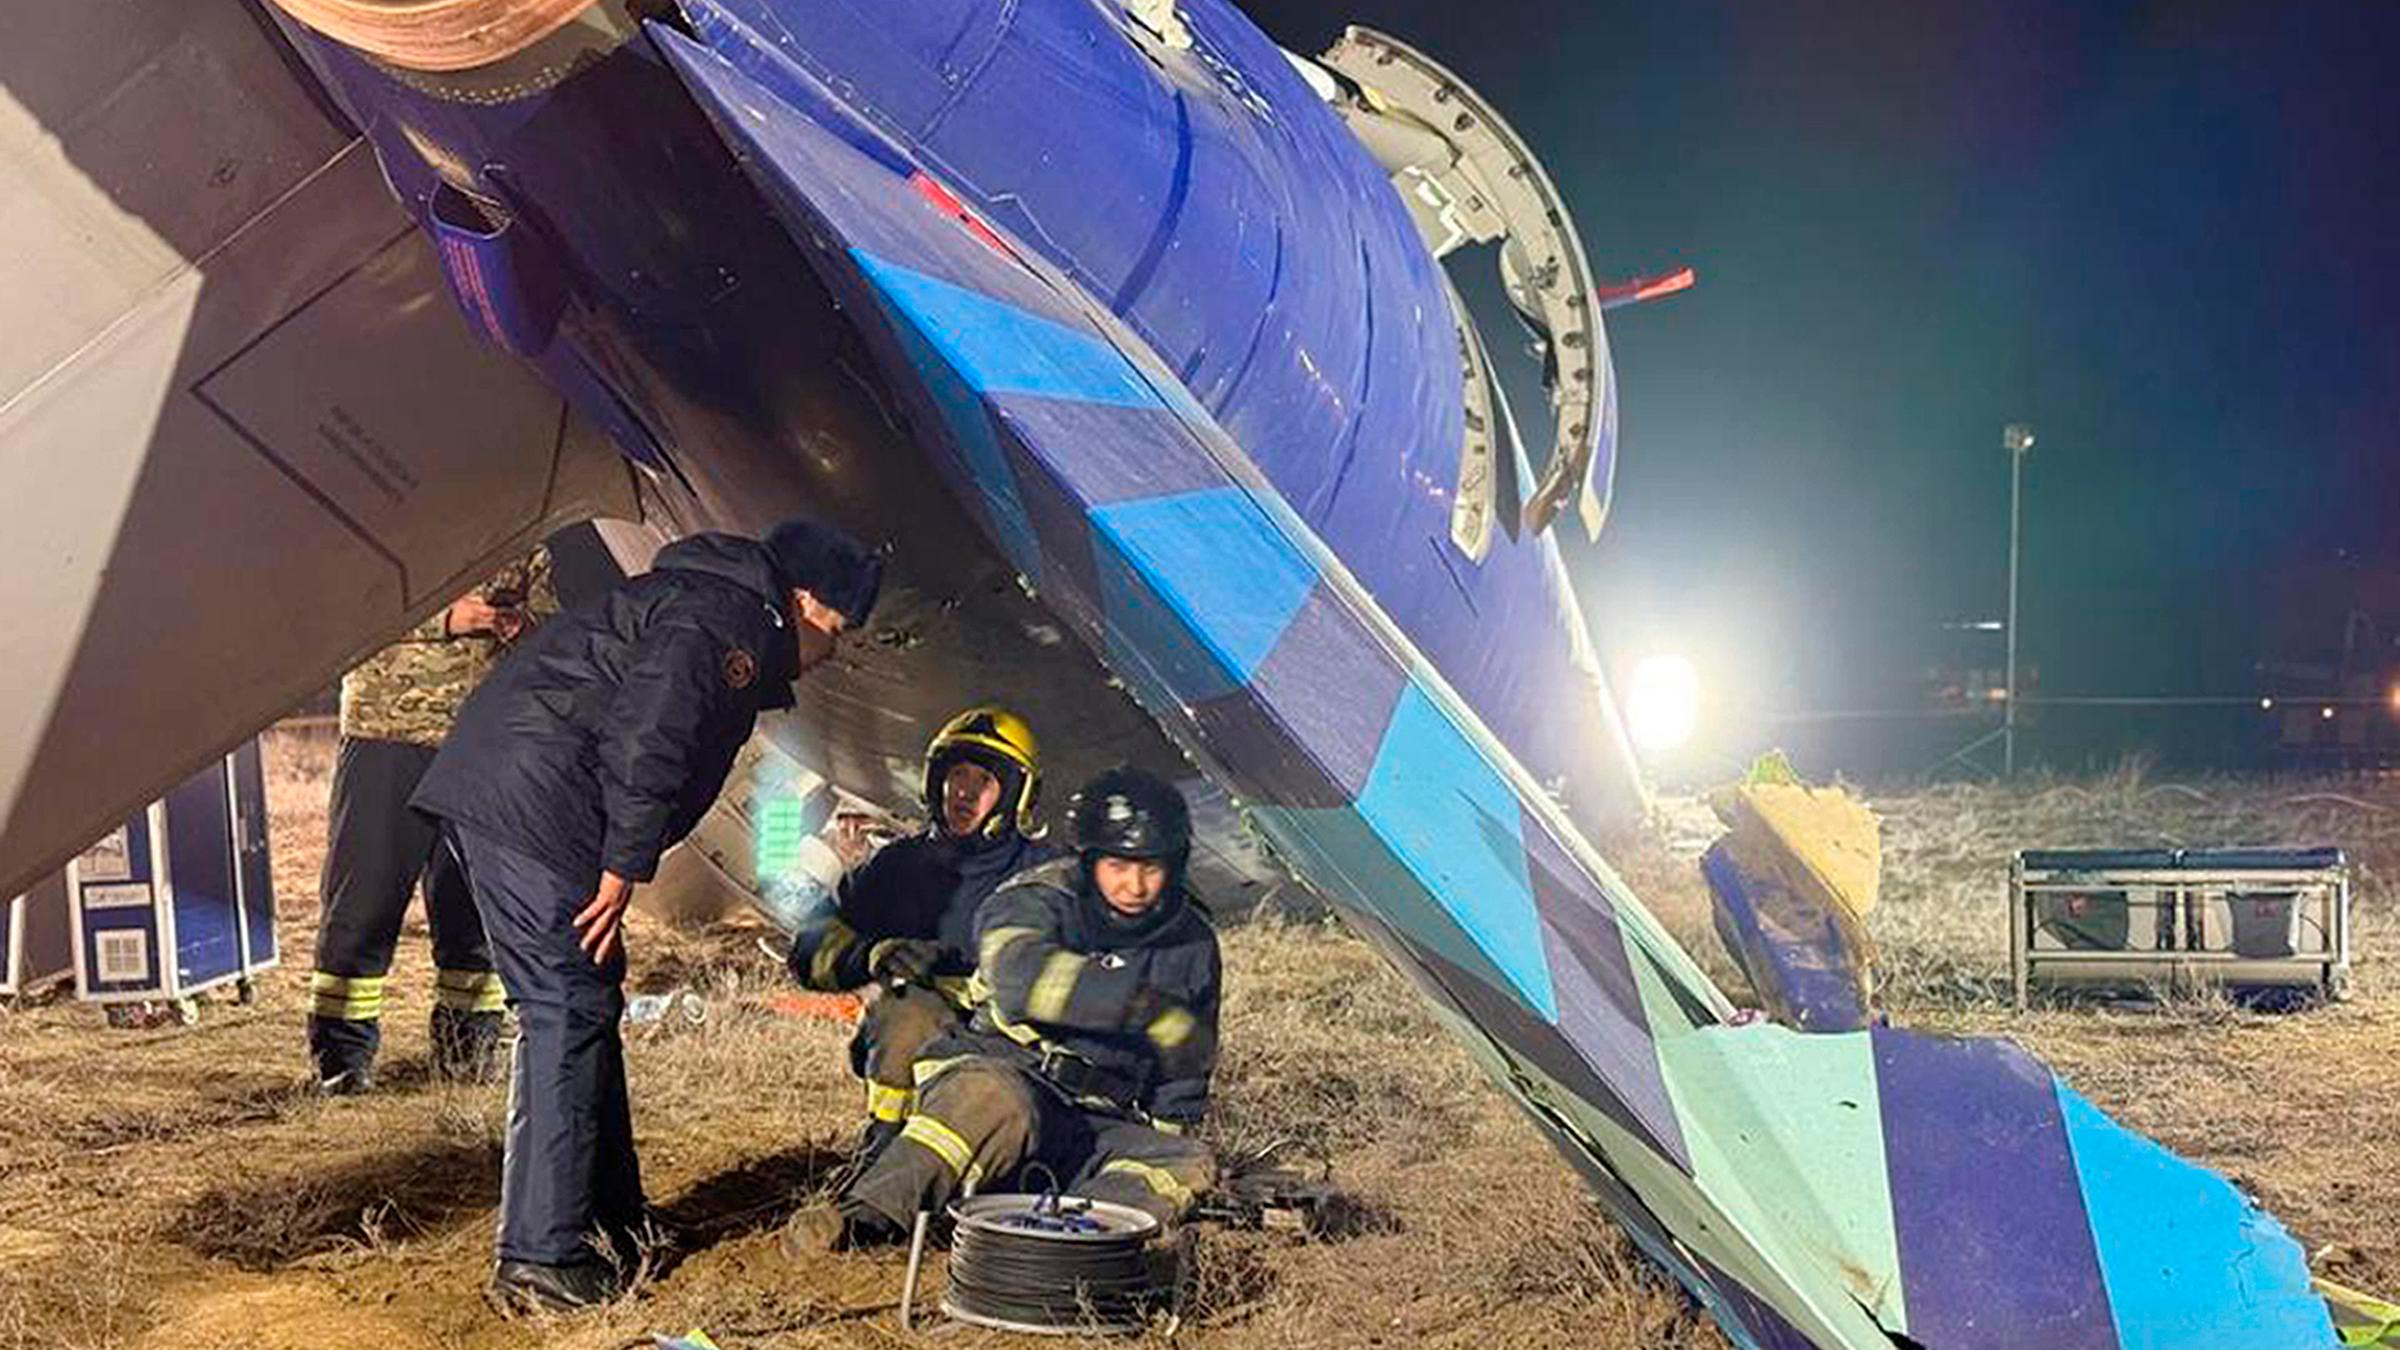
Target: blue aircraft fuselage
(1205,196)
(1104,318)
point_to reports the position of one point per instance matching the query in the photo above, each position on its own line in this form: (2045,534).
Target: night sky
(2168,235)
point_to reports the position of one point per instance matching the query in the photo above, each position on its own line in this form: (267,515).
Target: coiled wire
(1050,1264)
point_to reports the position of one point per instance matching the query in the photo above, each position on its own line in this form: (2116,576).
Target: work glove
(904,960)
(1186,1042)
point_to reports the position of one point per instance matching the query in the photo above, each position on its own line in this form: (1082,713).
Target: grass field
(182,1187)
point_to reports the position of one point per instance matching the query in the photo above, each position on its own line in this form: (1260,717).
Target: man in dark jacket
(569,771)
(905,918)
(1092,1050)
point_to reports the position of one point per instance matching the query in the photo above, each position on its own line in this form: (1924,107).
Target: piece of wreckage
(1129,329)
(1794,878)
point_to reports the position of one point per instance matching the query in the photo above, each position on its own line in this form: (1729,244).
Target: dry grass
(180,1187)
(2290,1106)
(2294,1107)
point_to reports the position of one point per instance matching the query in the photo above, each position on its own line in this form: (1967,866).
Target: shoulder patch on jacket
(741,668)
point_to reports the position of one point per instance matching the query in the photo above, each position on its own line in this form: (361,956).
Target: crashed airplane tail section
(1830,1191)
(1258,549)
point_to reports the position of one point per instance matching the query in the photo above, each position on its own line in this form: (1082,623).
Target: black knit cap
(830,565)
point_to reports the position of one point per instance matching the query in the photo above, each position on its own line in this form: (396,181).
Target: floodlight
(1662,703)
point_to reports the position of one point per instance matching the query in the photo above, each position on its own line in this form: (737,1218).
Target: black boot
(831,1226)
(342,1051)
(528,1286)
(466,1045)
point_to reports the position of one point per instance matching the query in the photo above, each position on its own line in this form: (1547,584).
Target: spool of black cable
(1050,1264)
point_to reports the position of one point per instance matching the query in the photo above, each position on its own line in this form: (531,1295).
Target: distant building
(2331,666)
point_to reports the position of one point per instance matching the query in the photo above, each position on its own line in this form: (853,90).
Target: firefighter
(905,918)
(1091,1050)
(569,772)
(397,706)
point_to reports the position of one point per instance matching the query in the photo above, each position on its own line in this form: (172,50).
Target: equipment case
(2248,919)
(37,944)
(181,897)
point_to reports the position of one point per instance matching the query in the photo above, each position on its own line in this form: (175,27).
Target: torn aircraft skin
(1794,879)
(1111,318)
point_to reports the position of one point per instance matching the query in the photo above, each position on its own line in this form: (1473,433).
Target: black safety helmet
(1128,813)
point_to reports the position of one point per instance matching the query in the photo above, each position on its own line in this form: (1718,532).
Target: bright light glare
(1662,704)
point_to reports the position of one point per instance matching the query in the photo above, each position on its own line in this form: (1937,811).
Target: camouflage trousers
(984,1123)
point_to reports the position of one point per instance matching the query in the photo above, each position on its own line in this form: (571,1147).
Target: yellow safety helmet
(1000,741)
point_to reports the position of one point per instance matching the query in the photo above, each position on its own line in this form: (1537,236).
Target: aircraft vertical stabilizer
(1813,1191)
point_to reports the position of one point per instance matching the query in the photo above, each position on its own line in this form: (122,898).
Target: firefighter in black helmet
(1091,1049)
(904,920)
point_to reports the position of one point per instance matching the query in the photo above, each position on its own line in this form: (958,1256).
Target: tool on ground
(1280,1200)
(1046,1264)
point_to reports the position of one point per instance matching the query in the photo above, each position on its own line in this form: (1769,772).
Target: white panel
(117,895)
(134,138)
(277,460)
(123,956)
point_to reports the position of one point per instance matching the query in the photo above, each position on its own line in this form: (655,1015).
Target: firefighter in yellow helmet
(1089,1064)
(903,921)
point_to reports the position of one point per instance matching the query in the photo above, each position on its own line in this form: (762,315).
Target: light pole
(2017,438)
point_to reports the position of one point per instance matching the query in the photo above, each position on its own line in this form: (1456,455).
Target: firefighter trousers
(376,852)
(900,1021)
(983,1122)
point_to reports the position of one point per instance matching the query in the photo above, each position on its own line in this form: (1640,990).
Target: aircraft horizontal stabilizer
(1967,1196)
(1972,1201)
(249,435)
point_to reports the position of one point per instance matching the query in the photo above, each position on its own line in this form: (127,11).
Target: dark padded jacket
(600,742)
(926,886)
(1111,1010)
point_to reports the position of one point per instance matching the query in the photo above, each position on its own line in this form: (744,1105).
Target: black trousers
(570,1184)
(376,852)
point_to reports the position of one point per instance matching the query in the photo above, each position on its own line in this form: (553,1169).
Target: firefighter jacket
(925,886)
(1115,1012)
(410,691)
(601,742)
